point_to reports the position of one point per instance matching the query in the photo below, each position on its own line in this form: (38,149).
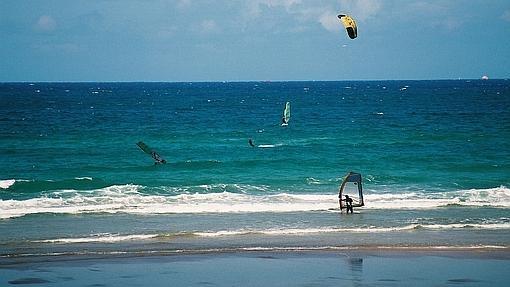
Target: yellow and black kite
(350,25)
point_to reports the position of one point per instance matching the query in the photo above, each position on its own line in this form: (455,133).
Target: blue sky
(229,40)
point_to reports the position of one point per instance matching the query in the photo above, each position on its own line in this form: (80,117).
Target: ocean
(433,155)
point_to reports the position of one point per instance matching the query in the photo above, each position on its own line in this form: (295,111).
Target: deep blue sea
(434,158)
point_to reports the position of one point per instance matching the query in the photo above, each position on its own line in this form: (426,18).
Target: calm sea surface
(434,156)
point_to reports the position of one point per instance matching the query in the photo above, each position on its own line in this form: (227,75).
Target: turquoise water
(433,156)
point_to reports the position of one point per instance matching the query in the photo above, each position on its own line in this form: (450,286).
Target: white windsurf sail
(286,114)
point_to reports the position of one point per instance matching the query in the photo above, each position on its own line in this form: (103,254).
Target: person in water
(157,158)
(348,203)
(251,143)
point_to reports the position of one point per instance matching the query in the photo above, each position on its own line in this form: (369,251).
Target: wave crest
(112,238)
(6,183)
(233,198)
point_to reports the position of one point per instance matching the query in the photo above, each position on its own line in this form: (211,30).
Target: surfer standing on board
(250,141)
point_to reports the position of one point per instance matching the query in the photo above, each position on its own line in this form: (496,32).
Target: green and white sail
(286,114)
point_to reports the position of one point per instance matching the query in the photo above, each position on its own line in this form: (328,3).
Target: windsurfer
(157,158)
(286,114)
(348,203)
(250,141)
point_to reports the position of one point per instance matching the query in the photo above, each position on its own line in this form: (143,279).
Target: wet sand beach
(355,267)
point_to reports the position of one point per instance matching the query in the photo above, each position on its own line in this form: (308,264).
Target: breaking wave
(132,199)
(112,238)
(6,183)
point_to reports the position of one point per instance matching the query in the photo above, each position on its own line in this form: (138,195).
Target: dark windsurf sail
(351,186)
(151,152)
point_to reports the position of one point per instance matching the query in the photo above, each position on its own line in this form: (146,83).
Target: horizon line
(255,81)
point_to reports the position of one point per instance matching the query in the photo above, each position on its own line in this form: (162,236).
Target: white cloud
(46,24)
(422,7)
(308,13)
(275,3)
(439,15)
(254,6)
(361,9)
(182,4)
(329,21)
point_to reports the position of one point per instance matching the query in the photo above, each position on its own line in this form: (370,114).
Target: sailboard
(286,114)
(146,149)
(351,186)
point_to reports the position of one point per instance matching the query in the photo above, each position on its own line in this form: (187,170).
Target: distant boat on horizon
(485,77)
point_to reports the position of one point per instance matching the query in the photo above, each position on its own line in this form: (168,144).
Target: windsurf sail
(349,25)
(146,149)
(286,114)
(351,186)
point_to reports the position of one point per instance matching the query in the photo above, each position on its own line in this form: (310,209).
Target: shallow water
(433,156)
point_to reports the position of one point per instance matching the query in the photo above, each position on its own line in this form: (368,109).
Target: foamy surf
(366,229)
(84,178)
(389,248)
(305,231)
(269,145)
(100,238)
(493,197)
(113,238)
(131,199)
(6,183)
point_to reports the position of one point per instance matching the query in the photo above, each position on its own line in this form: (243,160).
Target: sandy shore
(375,266)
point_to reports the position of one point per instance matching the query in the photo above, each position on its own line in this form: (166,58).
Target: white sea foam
(305,231)
(488,226)
(103,238)
(269,145)
(83,178)
(311,180)
(496,197)
(366,229)
(234,198)
(390,248)
(112,238)
(6,183)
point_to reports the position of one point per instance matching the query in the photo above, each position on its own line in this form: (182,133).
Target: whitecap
(235,198)
(4,184)
(269,145)
(103,238)
(83,178)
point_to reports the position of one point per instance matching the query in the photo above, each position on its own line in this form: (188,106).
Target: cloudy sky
(244,40)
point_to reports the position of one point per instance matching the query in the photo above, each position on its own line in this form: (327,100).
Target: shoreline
(409,266)
(466,252)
